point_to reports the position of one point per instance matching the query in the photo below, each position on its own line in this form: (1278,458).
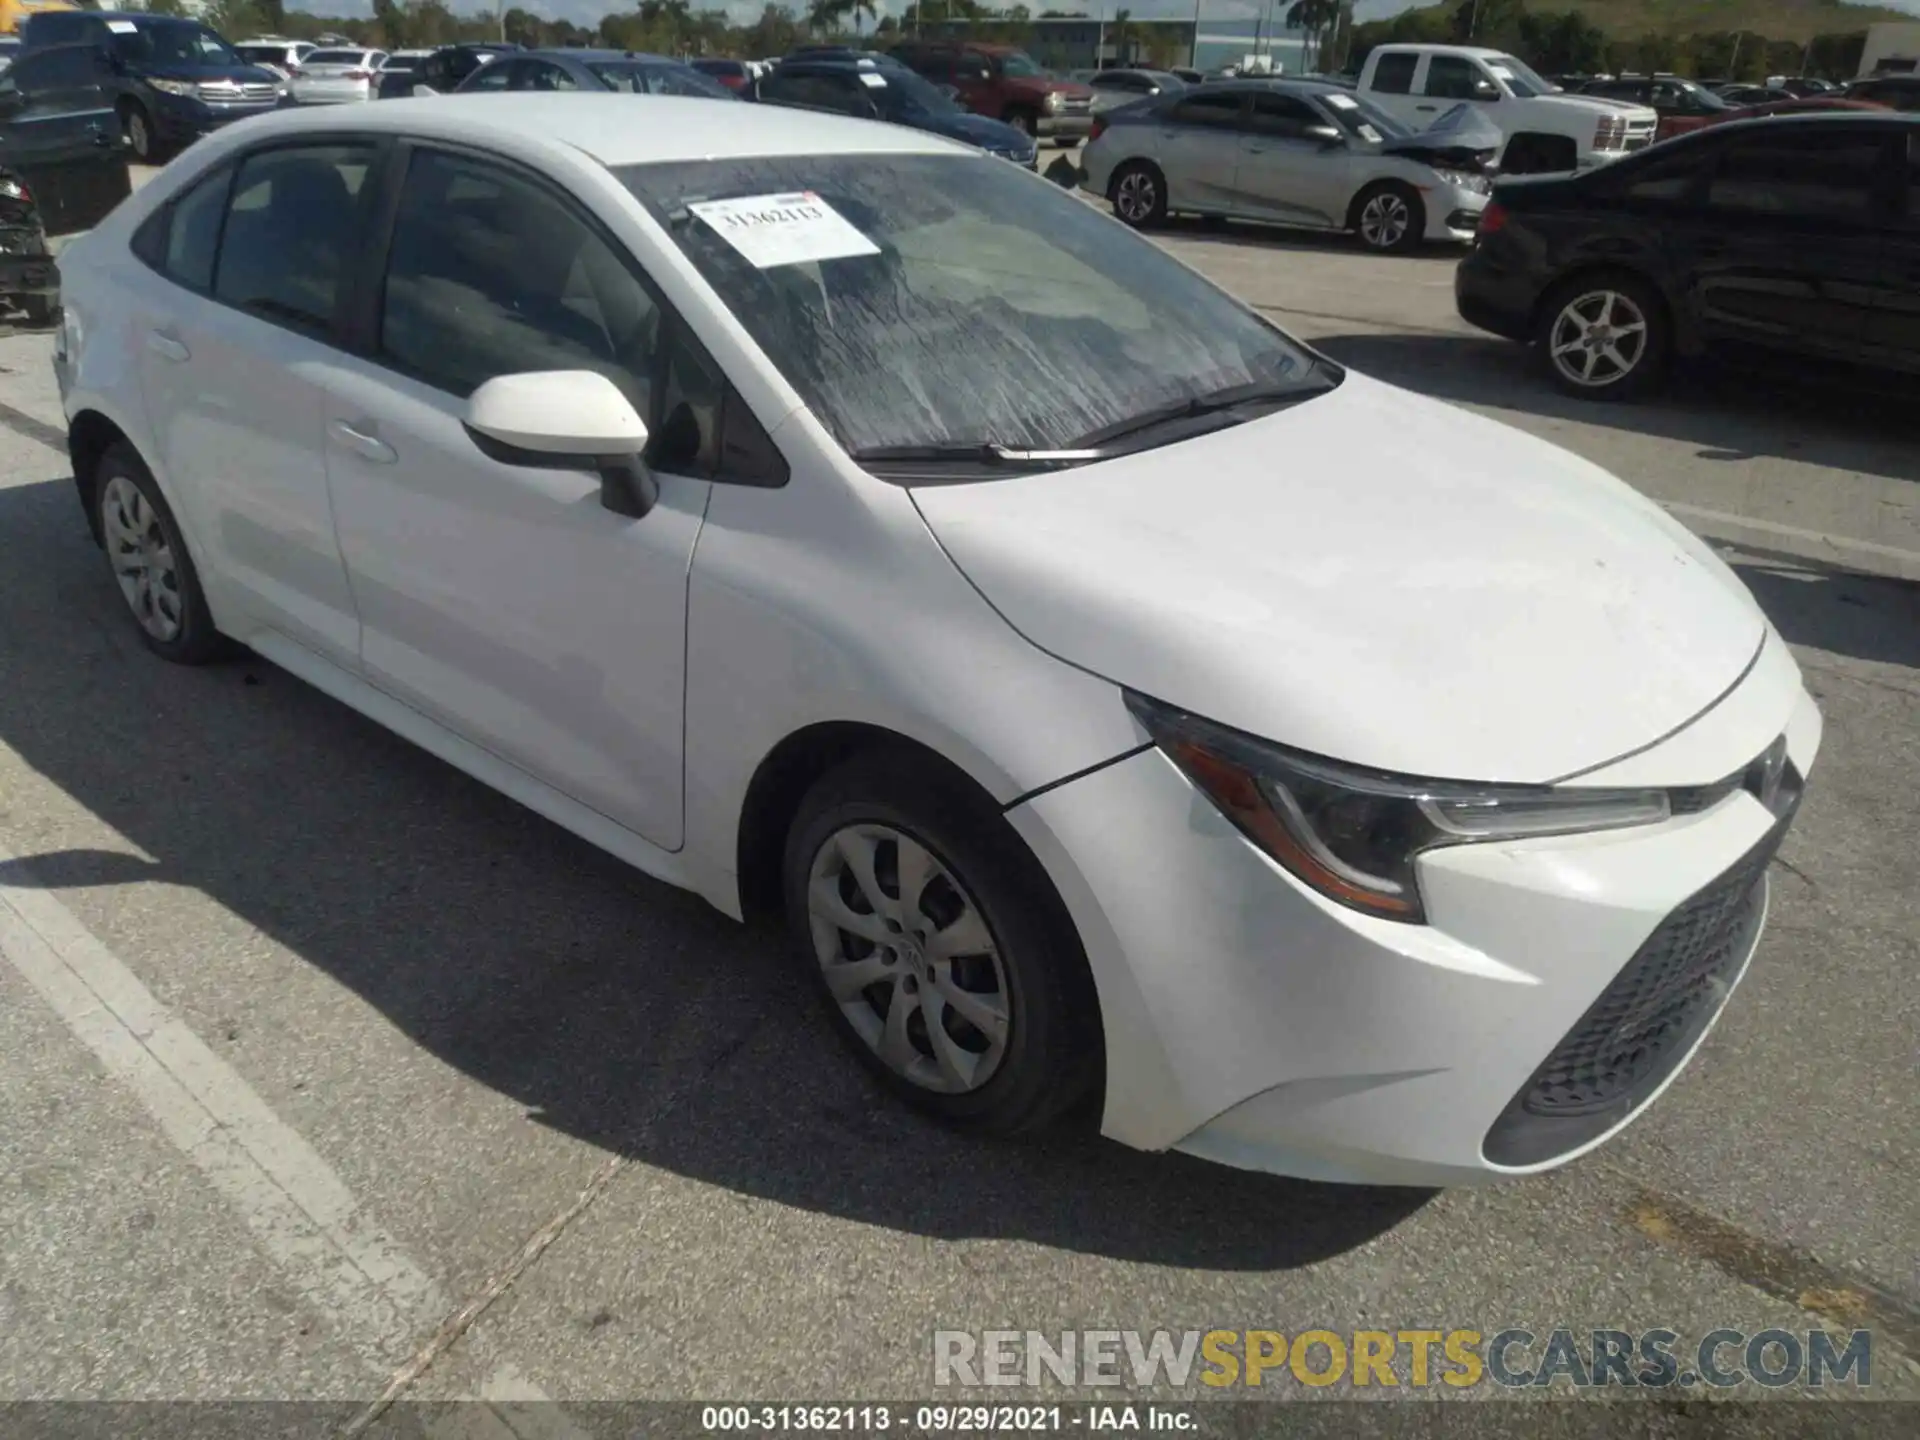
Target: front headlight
(172,87)
(1053,100)
(1465,180)
(1354,834)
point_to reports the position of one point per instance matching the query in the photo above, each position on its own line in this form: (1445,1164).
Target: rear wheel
(935,941)
(1139,194)
(1605,337)
(150,562)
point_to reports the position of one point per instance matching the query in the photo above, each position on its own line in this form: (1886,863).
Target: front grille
(1070,106)
(230,92)
(1647,1019)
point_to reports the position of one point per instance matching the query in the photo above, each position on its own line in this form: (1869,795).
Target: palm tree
(1314,17)
(863,7)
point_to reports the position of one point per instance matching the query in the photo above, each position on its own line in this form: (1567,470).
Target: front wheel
(944,960)
(137,126)
(1389,218)
(1139,194)
(1605,337)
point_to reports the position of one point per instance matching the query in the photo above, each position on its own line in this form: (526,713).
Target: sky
(588,12)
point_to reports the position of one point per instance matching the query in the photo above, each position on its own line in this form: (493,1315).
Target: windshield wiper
(1315,381)
(977,452)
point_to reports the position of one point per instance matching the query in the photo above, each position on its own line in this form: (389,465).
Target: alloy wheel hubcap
(908,958)
(143,561)
(1136,196)
(1598,338)
(1384,221)
(137,133)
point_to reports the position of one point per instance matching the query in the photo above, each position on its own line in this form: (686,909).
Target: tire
(1139,194)
(137,126)
(150,562)
(1605,335)
(1025,122)
(1388,217)
(1023,1046)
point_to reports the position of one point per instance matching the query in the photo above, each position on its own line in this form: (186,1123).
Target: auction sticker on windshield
(123,27)
(1341,102)
(790,229)
(873,82)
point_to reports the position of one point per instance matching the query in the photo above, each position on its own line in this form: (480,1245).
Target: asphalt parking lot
(326,1073)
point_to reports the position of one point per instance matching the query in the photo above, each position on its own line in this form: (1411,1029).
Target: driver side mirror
(1328,137)
(1485,90)
(566,420)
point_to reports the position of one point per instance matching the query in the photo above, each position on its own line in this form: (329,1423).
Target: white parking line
(346,1265)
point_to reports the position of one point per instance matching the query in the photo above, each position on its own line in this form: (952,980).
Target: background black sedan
(622,70)
(874,92)
(1797,234)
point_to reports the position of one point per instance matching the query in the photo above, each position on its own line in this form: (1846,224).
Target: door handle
(1426,107)
(368,447)
(166,347)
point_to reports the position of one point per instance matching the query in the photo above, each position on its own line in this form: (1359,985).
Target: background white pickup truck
(1545,129)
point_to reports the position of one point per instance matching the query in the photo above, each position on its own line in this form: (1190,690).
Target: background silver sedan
(1293,152)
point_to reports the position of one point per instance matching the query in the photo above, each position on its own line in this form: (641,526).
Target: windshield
(170,42)
(1520,78)
(637,79)
(925,300)
(1360,117)
(905,93)
(1018,65)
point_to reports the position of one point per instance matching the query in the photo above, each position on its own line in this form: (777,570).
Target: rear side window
(290,231)
(1220,109)
(1393,75)
(193,232)
(68,67)
(1662,181)
(1823,176)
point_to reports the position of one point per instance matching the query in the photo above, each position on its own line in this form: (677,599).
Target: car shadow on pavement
(1728,414)
(613,1008)
(1831,608)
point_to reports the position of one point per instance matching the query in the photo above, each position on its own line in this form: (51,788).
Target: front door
(1287,171)
(231,368)
(1787,252)
(507,602)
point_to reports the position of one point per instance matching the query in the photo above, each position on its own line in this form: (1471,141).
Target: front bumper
(1453,212)
(1252,1022)
(25,266)
(1064,127)
(179,119)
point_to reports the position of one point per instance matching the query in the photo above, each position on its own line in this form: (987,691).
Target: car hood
(978,130)
(1464,135)
(203,74)
(1370,576)
(1595,104)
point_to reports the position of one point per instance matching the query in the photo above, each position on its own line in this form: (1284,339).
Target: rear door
(1286,172)
(1893,329)
(1197,141)
(1787,249)
(64,139)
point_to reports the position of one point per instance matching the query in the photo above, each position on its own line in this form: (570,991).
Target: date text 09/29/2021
(945,1419)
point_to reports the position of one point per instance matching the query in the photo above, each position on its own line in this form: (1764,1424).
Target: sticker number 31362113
(789,229)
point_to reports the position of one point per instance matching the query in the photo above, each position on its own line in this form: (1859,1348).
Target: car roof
(603,55)
(602,125)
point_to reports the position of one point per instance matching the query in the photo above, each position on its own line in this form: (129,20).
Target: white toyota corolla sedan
(1125,704)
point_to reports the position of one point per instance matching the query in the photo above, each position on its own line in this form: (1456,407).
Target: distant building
(1087,42)
(1891,49)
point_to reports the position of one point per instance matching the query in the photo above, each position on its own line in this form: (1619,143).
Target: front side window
(1393,74)
(1820,176)
(1662,180)
(951,300)
(1519,77)
(1283,116)
(1018,65)
(290,232)
(501,75)
(1453,77)
(546,76)
(489,274)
